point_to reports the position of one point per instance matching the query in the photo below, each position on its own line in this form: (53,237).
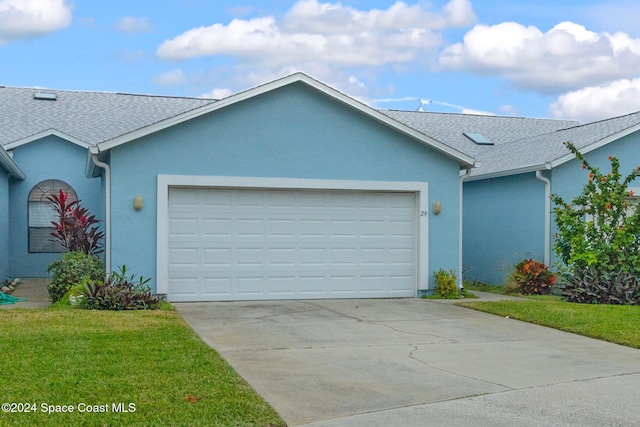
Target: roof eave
(595,145)
(10,165)
(90,168)
(44,134)
(293,78)
(516,171)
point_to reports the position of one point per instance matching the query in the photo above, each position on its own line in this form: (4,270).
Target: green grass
(151,359)
(483,287)
(614,323)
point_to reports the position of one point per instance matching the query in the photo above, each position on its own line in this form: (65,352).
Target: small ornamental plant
(76,228)
(446,286)
(532,277)
(120,291)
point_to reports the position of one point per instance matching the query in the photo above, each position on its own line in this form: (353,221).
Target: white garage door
(256,244)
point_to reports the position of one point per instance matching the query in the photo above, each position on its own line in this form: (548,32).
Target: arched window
(41,214)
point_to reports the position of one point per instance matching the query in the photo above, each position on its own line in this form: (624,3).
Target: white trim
(44,134)
(547,216)
(107,208)
(463,176)
(167,181)
(499,174)
(10,165)
(297,77)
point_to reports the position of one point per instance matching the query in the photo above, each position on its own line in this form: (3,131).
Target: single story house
(289,190)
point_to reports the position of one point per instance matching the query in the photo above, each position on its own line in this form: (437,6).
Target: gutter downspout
(464,175)
(547,216)
(107,207)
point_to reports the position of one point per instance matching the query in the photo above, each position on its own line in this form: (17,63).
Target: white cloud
(509,110)
(599,102)
(334,18)
(219,93)
(171,78)
(331,33)
(568,56)
(132,25)
(24,19)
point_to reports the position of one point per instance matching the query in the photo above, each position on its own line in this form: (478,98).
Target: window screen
(41,214)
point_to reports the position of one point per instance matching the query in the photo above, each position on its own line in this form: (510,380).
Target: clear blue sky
(566,59)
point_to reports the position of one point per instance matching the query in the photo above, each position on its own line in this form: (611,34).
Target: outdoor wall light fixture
(436,207)
(137,203)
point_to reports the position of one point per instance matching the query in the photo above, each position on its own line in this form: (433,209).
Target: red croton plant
(76,228)
(533,277)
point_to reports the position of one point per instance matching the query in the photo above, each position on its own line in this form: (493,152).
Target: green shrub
(446,286)
(73,269)
(600,228)
(598,237)
(592,286)
(532,277)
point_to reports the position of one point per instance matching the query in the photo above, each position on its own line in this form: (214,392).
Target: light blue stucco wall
(503,223)
(292,132)
(569,179)
(503,218)
(48,158)
(4,224)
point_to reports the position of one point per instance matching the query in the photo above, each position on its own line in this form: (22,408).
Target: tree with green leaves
(598,237)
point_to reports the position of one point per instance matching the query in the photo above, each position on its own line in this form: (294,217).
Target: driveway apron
(383,362)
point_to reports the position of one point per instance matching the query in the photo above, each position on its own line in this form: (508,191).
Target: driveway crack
(457,374)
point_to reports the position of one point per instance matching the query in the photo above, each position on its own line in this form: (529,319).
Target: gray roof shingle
(91,117)
(449,128)
(520,143)
(548,147)
(94,117)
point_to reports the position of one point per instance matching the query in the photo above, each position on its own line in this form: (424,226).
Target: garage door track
(382,362)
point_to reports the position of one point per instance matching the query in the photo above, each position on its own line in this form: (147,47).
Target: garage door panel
(184,227)
(184,257)
(216,227)
(217,287)
(217,200)
(249,257)
(227,244)
(248,227)
(250,286)
(185,288)
(281,229)
(217,257)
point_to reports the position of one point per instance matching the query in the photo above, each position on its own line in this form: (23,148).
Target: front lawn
(128,368)
(615,323)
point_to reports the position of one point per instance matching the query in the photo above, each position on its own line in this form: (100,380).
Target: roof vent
(45,96)
(478,138)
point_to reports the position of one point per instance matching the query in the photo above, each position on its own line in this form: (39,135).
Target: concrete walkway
(413,362)
(35,290)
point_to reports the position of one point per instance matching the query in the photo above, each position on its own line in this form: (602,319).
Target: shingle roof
(520,143)
(95,117)
(449,128)
(548,148)
(90,117)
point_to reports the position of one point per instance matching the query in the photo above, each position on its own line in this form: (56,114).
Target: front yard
(118,368)
(619,324)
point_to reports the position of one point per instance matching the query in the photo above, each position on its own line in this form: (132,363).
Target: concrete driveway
(415,362)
